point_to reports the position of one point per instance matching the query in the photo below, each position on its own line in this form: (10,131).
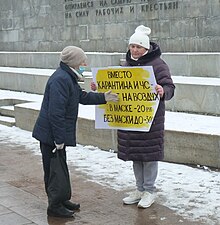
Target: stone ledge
(181,64)
(192,94)
(196,95)
(196,144)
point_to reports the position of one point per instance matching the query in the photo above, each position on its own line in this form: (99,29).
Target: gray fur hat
(73,56)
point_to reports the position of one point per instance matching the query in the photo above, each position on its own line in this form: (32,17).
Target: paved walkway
(19,207)
(23,200)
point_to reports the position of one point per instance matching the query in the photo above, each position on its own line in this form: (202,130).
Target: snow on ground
(6,94)
(193,193)
(36,71)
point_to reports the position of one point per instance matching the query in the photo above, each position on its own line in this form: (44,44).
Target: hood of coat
(153,53)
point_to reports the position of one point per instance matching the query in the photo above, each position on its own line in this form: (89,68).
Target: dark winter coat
(59,110)
(148,146)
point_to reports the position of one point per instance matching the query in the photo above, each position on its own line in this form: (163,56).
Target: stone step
(189,138)
(7,121)
(193,94)
(24,79)
(196,95)
(192,138)
(201,64)
(7,111)
(29,80)
(50,60)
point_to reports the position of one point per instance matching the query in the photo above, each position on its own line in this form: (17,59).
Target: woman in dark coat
(145,149)
(56,123)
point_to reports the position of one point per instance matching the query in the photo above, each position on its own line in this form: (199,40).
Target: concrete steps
(7,116)
(199,95)
(193,94)
(50,60)
(192,123)
(31,80)
(195,64)
(24,79)
(7,121)
(7,111)
(189,138)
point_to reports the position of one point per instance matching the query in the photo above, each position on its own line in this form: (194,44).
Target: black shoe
(71,206)
(59,212)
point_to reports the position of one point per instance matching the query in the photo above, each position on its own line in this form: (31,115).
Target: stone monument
(106,25)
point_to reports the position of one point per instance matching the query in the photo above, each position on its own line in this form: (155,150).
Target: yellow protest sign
(138,100)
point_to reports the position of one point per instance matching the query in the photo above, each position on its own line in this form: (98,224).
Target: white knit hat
(140,37)
(73,56)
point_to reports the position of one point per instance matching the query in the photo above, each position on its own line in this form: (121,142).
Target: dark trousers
(47,154)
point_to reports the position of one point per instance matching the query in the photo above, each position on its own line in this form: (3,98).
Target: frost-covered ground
(193,193)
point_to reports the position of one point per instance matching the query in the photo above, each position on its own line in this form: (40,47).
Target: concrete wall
(192,148)
(106,25)
(23,82)
(200,94)
(181,64)
(50,60)
(25,117)
(197,91)
(180,147)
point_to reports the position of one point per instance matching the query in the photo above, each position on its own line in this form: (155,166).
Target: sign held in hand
(138,99)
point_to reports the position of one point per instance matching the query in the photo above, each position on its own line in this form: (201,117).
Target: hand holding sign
(93,86)
(137,98)
(111,97)
(159,90)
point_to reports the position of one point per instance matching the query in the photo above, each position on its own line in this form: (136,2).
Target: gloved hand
(111,97)
(60,146)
